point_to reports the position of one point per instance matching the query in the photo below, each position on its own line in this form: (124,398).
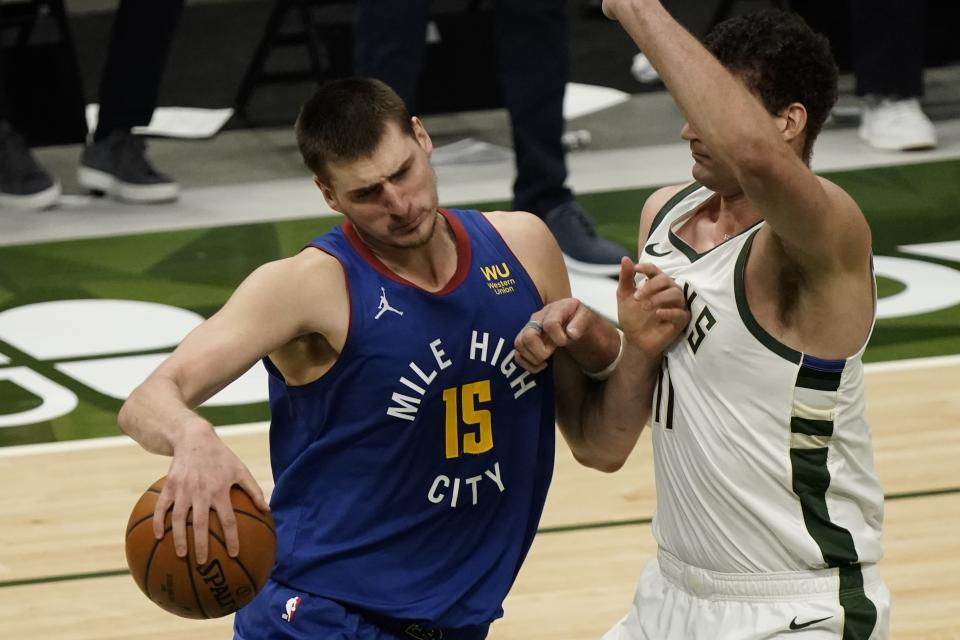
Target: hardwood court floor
(64,512)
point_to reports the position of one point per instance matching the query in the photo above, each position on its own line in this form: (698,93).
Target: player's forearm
(730,120)
(602,423)
(158,418)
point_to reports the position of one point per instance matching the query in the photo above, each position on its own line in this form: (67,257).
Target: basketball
(211,590)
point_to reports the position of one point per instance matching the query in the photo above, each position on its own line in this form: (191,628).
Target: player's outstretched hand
(558,324)
(653,314)
(200,476)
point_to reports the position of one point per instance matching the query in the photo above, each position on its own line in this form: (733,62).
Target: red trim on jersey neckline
(463,255)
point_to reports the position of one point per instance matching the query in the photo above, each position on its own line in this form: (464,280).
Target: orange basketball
(181,586)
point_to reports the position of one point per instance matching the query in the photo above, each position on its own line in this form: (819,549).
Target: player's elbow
(126,415)
(610,464)
(607,462)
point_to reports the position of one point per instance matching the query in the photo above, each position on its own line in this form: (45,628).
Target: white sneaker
(897,125)
(643,71)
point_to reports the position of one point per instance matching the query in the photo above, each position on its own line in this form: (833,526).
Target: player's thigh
(281,613)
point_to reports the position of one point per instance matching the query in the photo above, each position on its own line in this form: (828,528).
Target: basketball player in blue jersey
(769,511)
(411,453)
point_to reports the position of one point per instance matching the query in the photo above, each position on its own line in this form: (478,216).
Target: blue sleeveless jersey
(411,477)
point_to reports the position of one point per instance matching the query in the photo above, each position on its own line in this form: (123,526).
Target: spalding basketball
(211,590)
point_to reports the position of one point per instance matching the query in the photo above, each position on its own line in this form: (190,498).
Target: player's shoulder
(310,270)
(528,237)
(515,223)
(524,233)
(659,198)
(838,197)
(655,203)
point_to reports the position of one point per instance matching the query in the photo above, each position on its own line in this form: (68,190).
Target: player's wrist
(189,430)
(608,370)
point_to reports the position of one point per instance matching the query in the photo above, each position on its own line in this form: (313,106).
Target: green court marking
(594,525)
(198,269)
(545,530)
(64,578)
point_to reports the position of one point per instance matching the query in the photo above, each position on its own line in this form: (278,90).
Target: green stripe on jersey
(746,315)
(860,614)
(811,427)
(810,378)
(671,203)
(811,479)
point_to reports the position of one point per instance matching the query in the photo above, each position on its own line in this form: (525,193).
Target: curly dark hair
(783,61)
(345,119)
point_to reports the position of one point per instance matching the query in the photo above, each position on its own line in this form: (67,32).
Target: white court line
(109,442)
(296,198)
(912,364)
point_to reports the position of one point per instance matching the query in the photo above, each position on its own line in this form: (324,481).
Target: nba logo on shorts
(291,607)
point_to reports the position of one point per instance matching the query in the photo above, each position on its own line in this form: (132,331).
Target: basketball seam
(146,571)
(257,518)
(253,583)
(192,583)
(137,523)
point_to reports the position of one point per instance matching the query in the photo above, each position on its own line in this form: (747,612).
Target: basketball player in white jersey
(769,511)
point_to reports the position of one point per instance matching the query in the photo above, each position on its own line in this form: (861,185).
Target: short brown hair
(345,119)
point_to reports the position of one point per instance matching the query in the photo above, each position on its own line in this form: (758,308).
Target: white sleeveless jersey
(763,456)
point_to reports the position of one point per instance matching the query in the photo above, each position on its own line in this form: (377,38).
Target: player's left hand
(652,314)
(557,325)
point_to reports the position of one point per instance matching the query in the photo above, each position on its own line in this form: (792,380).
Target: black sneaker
(24,184)
(118,166)
(583,250)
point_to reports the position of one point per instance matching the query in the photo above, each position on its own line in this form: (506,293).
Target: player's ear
(792,121)
(328,194)
(423,138)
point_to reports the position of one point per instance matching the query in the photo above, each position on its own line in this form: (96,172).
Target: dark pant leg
(139,46)
(533,58)
(389,43)
(888,46)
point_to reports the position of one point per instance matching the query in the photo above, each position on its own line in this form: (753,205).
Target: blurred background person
(114,160)
(888,59)
(533,61)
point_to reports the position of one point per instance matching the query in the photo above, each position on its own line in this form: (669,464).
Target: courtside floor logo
(62,353)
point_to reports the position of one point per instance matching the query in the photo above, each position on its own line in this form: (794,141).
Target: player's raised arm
(816,223)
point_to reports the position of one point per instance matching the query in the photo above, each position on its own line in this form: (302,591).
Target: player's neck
(431,265)
(733,213)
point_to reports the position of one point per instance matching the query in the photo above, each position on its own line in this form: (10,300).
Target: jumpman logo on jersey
(385,306)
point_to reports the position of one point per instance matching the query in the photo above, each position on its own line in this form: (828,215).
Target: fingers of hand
(673,315)
(625,282)
(228,522)
(647,269)
(528,363)
(201,518)
(654,287)
(249,484)
(181,508)
(665,298)
(533,347)
(163,504)
(578,323)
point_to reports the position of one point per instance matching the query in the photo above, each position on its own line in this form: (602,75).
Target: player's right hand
(557,325)
(200,476)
